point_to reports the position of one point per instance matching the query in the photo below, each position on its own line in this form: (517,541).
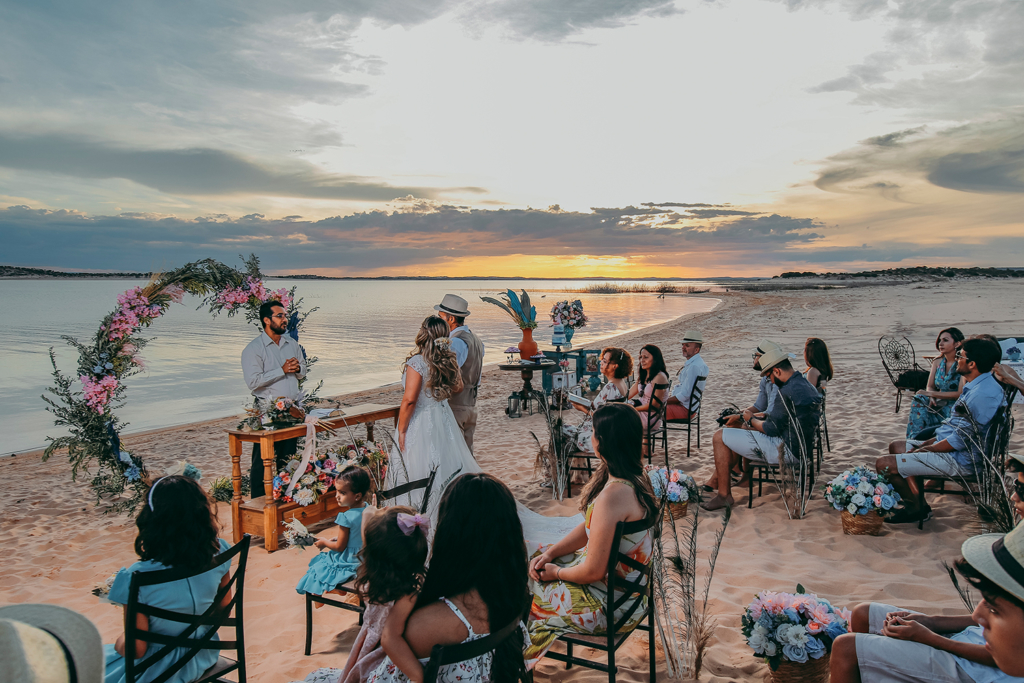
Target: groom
(469,353)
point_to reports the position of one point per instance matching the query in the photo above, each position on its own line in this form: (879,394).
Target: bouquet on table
(860,491)
(675,486)
(793,628)
(569,313)
(372,456)
(278,413)
(313,483)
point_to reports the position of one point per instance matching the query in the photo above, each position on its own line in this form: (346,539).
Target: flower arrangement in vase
(793,633)
(864,497)
(570,315)
(1013,353)
(523,314)
(677,487)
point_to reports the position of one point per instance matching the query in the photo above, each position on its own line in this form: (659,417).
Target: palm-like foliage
(523,314)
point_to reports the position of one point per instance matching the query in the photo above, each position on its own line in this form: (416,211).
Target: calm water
(362,333)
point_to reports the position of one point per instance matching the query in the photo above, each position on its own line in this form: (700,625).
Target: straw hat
(692,335)
(44,643)
(771,358)
(999,558)
(454,305)
(766,344)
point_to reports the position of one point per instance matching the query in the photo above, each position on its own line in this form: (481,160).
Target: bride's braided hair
(433,344)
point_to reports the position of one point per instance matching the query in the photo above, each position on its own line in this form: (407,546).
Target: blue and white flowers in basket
(675,485)
(794,628)
(860,491)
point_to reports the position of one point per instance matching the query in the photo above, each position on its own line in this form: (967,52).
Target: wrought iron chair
(426,485)
(900,363)
(642,586)
(214,617)
(686,424)
(442,655)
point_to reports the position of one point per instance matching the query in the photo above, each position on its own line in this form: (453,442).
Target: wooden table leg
(369,432)
(235,449)
(270,521)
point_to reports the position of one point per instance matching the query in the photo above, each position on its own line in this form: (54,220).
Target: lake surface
(361,334)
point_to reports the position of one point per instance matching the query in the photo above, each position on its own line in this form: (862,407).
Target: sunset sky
(556,138)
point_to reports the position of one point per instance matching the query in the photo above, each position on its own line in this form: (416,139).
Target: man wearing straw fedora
(887,643)
(678,407)
(469,353)
(48,644)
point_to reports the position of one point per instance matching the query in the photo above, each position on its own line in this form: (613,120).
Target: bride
(428,437)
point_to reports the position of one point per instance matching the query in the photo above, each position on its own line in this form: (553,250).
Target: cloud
(381,239)
(979,157)
(196,171)
(552,20)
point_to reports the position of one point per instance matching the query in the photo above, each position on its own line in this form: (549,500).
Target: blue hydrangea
(863,510)
(888,501)
(97,369)
(277,482)
(132,473)
(109,366)
(835,629)
(792,615)
(815,648)
(125,457)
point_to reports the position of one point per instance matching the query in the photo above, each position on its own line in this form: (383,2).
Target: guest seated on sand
(652,371)
(766,391)
(819,365)
(616,366)
(887,643)
(679,401)
(568,579)
(177,529)
(476,584)
(763,440)
(394,560)
(932,405)
(956,447)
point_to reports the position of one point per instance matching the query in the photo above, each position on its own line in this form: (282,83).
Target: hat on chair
(767,344)
(693,335)
(999,558)
(453,305)
(48,644)
(771,358)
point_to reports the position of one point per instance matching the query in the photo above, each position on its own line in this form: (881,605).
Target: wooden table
(266,517)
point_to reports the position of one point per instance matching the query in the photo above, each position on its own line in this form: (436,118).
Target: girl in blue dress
(934,404)
(177,528)
(340,562)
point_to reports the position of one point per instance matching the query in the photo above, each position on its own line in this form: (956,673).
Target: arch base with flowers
(120,479)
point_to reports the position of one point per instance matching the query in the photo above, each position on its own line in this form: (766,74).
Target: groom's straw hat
(767,344)
(455,305)
(693,335)
(44,643)
(999,558)
(771,358)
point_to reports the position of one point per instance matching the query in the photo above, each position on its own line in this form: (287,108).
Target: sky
(537,138)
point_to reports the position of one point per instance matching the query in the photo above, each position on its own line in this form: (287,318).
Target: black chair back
(696,395)
(215,616)
(427,484)
(636,588)
(442,655)
(656,409)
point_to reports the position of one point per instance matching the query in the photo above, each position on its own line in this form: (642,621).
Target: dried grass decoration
(120,478)
(862,525)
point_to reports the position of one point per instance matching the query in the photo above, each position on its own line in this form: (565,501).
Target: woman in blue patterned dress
(932,405)
(177,528)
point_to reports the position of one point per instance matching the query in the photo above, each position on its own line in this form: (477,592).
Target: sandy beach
(58,546)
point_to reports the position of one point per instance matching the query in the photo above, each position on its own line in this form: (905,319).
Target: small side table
(527,369)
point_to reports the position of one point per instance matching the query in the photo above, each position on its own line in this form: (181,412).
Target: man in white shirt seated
(272,364)
(678,407)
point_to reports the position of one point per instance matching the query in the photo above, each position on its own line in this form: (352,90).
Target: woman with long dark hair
(616,366)
(934,403)
(476,583)
(571,596)
(819,365)
(652,371)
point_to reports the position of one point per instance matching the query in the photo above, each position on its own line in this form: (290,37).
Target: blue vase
(568,333)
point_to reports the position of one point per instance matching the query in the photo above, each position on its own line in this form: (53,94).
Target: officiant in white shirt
(272,364)
(469,354)
(678,407)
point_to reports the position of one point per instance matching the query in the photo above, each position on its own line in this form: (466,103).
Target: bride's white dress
(433,440)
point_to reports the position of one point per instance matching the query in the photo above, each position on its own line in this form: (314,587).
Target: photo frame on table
(591,362)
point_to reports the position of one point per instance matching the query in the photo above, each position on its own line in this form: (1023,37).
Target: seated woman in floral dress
(568,579)
(933,404)
(616,366)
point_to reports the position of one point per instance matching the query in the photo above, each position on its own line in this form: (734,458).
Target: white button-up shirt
(695,367)
(261,365)
(461,348)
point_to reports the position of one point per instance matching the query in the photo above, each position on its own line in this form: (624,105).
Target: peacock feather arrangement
(523,314)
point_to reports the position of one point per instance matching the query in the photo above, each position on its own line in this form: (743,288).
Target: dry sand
(57,546)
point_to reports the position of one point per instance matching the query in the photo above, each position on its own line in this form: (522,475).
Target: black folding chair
(900,363)
(686,424)
(821,432)
(631,590)
(586,456)
(442,655)
(349,586)
(214,617)
(655,429)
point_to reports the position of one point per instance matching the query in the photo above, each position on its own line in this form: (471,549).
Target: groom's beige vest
(470,370)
